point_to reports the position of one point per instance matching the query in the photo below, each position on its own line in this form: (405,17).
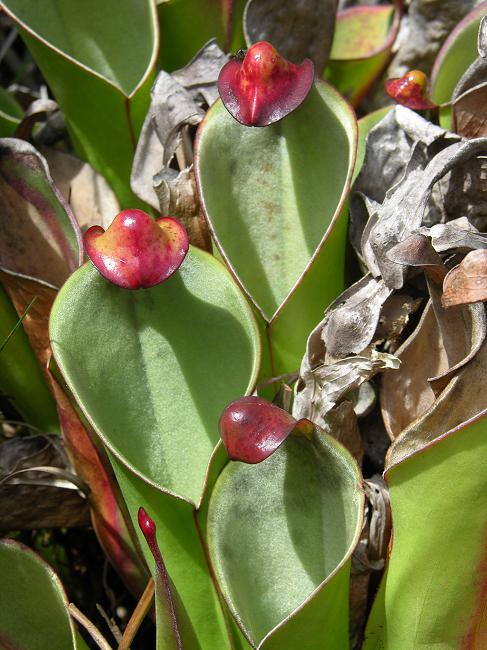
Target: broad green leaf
(280,536)
(457,53)
(272,197)
(186,25)
(152,370)
(362,44)
(433,592)
(34,614)
(82,51)
(11,114)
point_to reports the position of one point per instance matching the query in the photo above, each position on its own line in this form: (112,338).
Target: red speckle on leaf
(137,251)
(410,90)
(253,428)
(264,87)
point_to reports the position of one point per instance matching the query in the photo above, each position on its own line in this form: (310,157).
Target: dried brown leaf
(470,112)
(178,197)
(467,282)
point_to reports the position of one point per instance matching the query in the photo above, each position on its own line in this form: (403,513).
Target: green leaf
(104,93)
(457,53)
(186,25)
(362,45)
(433,593)
(152,370)
(11,114)
(34,612)
(281,545)
(21,377)
(272,196)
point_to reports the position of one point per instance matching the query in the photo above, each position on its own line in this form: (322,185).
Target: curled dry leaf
(297,29)
(456,236)
(38,111)
(470,112)
(442,344)
(320,389)
(400,140)
(482,38)
(467,282)
(404,209)
(177,101)
(177,195)
(418,251)
(351,321)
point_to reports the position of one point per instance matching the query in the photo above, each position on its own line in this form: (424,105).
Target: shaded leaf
(172,625)
(263,87)
(10,114)
(21,377)
(35,613)
(36,499)
(87,73)
(35,217)
(297,30)
(466,282)
(266,527)
(109,517)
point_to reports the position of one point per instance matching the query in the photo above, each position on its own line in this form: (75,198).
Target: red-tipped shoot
(263,87)
(136,251)
(253,428)
(411,90)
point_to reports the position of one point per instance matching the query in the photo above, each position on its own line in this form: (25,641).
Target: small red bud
(410,90)
(137,251)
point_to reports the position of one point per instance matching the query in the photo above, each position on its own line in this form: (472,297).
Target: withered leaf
(439,348)
(298,29)
(404,208)
(38,111)
(470,112)
(178,197)
(467,282)
(402,140)
(417,251)
(456,236)
(176,102)
(393,319)
(320,389)
(350,322)
(482,38)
